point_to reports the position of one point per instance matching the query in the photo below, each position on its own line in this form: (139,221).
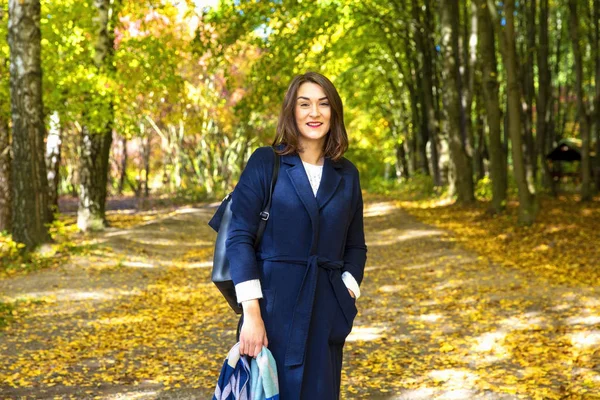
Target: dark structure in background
(564,162)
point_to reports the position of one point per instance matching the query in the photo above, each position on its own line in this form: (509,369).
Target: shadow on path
(137,317)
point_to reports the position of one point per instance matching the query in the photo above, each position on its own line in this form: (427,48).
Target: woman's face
(312,112)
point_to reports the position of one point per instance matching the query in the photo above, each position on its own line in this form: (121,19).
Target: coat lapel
(302,186)
(329,182)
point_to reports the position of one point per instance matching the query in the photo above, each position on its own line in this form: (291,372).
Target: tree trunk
(97,136)
(479,136)
(425,45)
(596,53)
(30,184)
(544,96)
(557,127)
(420,124)
(527,201)
(53,155)
(529,89)
(414,141)
(123,166)
(462,168)
(401,163)
(90,215)
(582,111)
(146,154)
(470,62)
(5,178)
(498,173)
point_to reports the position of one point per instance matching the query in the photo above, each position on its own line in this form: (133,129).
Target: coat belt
(296,346)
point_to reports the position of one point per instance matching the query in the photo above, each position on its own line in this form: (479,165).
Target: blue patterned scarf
(240,380)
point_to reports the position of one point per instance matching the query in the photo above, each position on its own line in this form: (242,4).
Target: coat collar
(329,180)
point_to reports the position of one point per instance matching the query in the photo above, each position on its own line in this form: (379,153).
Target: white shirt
(314,173)
(251,289)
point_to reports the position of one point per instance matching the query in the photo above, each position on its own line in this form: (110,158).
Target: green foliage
(6,310)
(417,187)
(194,194)
(379,185)
(204,86)
(13,259)
(9,249)
(67,52)
(483,189)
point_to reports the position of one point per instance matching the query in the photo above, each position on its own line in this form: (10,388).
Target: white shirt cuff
(248,290)
(351,283)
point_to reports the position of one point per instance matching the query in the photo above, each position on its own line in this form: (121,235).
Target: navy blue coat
(307,244)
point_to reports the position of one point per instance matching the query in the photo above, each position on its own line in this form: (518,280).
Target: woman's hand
(351,294)
(253,335)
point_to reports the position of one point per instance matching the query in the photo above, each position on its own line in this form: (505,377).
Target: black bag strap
(264,215)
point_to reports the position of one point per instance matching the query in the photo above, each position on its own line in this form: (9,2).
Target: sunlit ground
(137,317)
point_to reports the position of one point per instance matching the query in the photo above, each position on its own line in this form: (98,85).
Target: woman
(298,290)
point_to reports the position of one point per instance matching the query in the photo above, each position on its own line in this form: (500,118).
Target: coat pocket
(343,319)
(347,303)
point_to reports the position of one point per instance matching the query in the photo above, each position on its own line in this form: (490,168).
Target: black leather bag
(221,274)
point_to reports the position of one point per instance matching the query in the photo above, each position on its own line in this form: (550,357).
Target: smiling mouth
(314,124)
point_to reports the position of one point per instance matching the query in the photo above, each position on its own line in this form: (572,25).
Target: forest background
(463,99)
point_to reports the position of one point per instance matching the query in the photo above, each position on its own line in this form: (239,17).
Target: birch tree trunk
(97,136)
(30,186)
(53,155)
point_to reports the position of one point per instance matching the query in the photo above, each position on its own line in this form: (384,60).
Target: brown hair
(336,142)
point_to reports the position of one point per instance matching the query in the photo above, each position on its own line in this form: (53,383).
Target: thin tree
(53,156)
(544,99)
(487,49)
(425,47)
(96,137)
(529,9)
(5,158)
(461,163)
(5,180)
(582,109)
(30,185)
(528,206)
(596,53)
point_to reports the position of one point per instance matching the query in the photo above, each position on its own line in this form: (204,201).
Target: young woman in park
(298,289)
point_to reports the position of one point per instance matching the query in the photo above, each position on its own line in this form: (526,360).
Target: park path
(134,315)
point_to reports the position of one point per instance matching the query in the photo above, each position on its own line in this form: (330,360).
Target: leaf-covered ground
(464,307)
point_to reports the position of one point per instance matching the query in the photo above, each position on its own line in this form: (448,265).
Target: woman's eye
(304,105)
(324,104)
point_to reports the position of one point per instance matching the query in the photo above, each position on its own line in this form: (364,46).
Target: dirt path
(137,317)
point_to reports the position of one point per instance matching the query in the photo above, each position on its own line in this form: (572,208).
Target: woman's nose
(314,111)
